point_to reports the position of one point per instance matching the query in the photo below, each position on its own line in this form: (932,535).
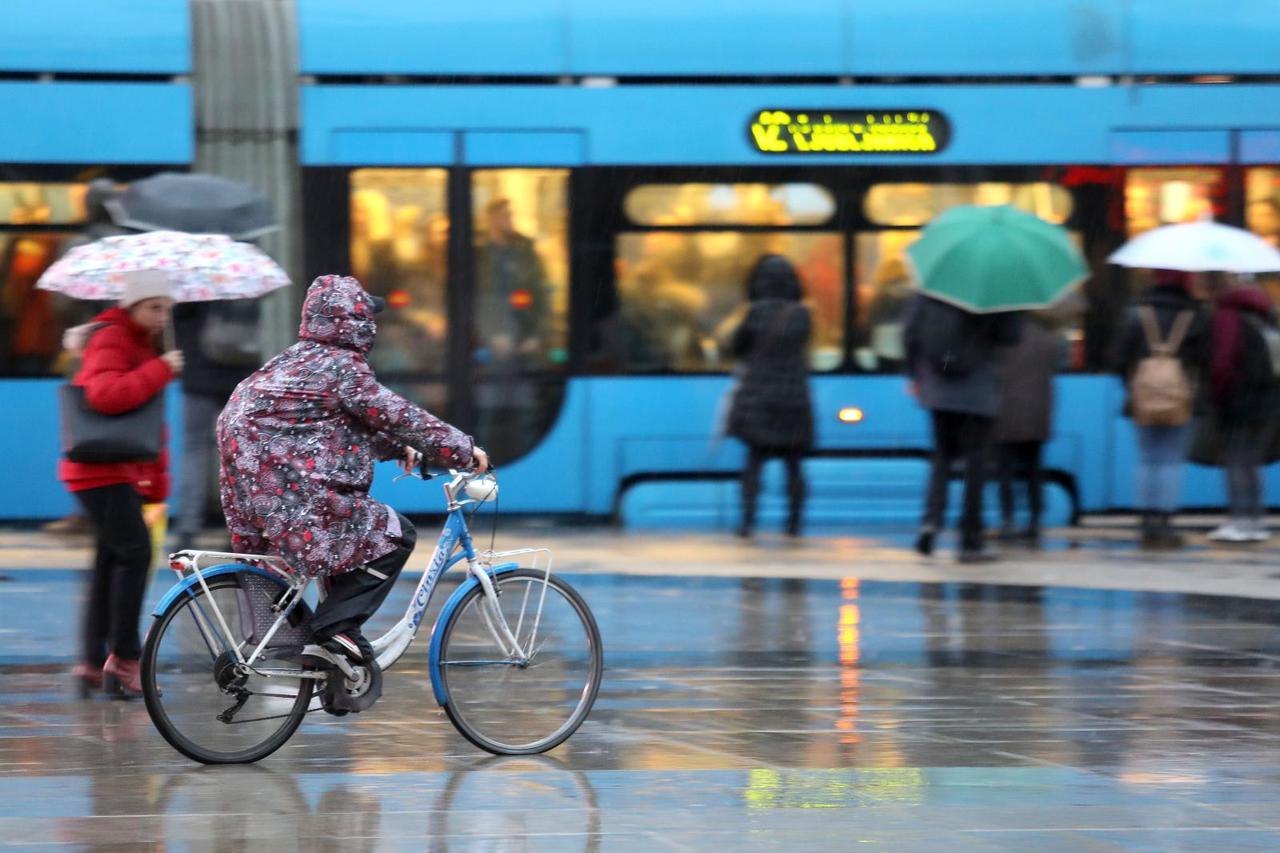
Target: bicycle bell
(482,488)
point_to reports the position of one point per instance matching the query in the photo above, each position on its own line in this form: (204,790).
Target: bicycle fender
(212,572)
(437,631)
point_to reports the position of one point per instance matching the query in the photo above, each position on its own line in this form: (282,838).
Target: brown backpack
(1159,391)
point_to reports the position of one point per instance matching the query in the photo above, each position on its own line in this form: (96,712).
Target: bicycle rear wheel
(202,706)
(511,706)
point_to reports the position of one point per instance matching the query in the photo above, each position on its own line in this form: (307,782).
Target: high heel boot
(122,679)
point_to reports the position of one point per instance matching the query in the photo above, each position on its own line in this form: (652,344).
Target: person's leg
(199,414)
(356,595)
(935,500)
(1169,453)
(1006,463)
(1235,461)
(1031,452)
(795,492)
(975,437)
(1145,485)
(750,490)
(131,570)
(1247,497)
(93,634)
(945,432)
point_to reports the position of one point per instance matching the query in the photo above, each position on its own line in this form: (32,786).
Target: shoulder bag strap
(1178,333)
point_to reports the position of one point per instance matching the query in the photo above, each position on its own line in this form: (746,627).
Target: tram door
(473,263)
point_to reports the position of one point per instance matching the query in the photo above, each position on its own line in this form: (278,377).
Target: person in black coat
(1242,391)
(1162,450)
(771,411)
(1024,421)
(216,360)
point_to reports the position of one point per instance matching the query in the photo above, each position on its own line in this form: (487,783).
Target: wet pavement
(833,712)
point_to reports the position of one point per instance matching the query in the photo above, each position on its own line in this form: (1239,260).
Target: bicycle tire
(458,708)
(154,699)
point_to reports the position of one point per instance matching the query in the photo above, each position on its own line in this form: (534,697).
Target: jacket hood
(774,278)
(1245,299)
(337,311)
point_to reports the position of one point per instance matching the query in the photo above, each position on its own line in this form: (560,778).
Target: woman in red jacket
(121,370)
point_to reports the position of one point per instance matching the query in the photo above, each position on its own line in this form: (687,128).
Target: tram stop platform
(837,692)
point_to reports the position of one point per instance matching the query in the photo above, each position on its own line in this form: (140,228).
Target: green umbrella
(986,259)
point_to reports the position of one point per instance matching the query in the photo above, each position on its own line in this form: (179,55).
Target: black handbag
(90,436)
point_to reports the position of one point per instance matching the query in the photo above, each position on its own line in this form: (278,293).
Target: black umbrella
(195,203)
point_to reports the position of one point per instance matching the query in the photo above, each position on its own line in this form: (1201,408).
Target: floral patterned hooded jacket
(299,437)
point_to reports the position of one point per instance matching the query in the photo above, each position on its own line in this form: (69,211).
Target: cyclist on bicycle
(298,440)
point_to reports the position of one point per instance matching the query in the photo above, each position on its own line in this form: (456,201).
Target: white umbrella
(199,267)
(1199,247)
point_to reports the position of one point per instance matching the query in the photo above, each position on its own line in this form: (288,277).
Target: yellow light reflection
(848,636)
(851,415)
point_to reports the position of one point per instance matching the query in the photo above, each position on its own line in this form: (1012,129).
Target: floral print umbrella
(200,266)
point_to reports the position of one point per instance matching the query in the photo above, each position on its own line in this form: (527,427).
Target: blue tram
(560,202)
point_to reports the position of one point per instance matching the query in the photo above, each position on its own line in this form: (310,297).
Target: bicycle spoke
(205,704)
(504,702)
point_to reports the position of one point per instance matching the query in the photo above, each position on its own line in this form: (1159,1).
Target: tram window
(883,287)
(32,320)
(729,204)
(1262,204)
(41,204)
(1160,196)
(399,250)
(915,204)
(681,295)
(521,303)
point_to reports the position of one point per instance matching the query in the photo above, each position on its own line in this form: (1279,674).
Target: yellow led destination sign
(854,131)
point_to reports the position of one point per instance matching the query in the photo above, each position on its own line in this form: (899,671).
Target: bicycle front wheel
(526,700)
(202,706)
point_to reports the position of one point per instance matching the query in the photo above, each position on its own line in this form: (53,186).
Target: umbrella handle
(170,340)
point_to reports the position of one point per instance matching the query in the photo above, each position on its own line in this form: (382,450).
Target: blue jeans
(1162,451)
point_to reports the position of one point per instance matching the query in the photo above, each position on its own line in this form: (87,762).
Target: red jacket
(119,372)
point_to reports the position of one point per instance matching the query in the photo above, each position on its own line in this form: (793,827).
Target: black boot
(1165,532)
(1150,538)
(924,542)
(975,551)
(793,522)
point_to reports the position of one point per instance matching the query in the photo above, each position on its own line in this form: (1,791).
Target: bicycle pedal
(342,694)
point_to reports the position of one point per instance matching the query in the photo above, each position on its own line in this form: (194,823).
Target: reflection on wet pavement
(752,714)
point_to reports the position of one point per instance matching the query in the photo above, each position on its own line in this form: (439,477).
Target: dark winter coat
(299,437)
(120,371)
(1242,388)
(771,406)
(977,392)
(1131,343)
(200,375)
(1026,386)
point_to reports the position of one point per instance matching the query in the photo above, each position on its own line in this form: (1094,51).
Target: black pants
(1020,460)
(756,457)
(121,569)
(356,595)
(962,437)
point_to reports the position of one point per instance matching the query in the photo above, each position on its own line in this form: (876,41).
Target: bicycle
(229,667)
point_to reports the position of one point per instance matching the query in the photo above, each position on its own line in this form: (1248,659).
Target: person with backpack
(1244,367)
(1160,353)
(951,360)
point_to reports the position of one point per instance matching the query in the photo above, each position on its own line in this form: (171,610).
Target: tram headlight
(851,415)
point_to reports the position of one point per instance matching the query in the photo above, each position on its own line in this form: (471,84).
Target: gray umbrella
(195,203)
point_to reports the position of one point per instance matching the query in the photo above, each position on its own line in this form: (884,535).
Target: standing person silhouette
(771,411)
(121,370)
(950,358)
